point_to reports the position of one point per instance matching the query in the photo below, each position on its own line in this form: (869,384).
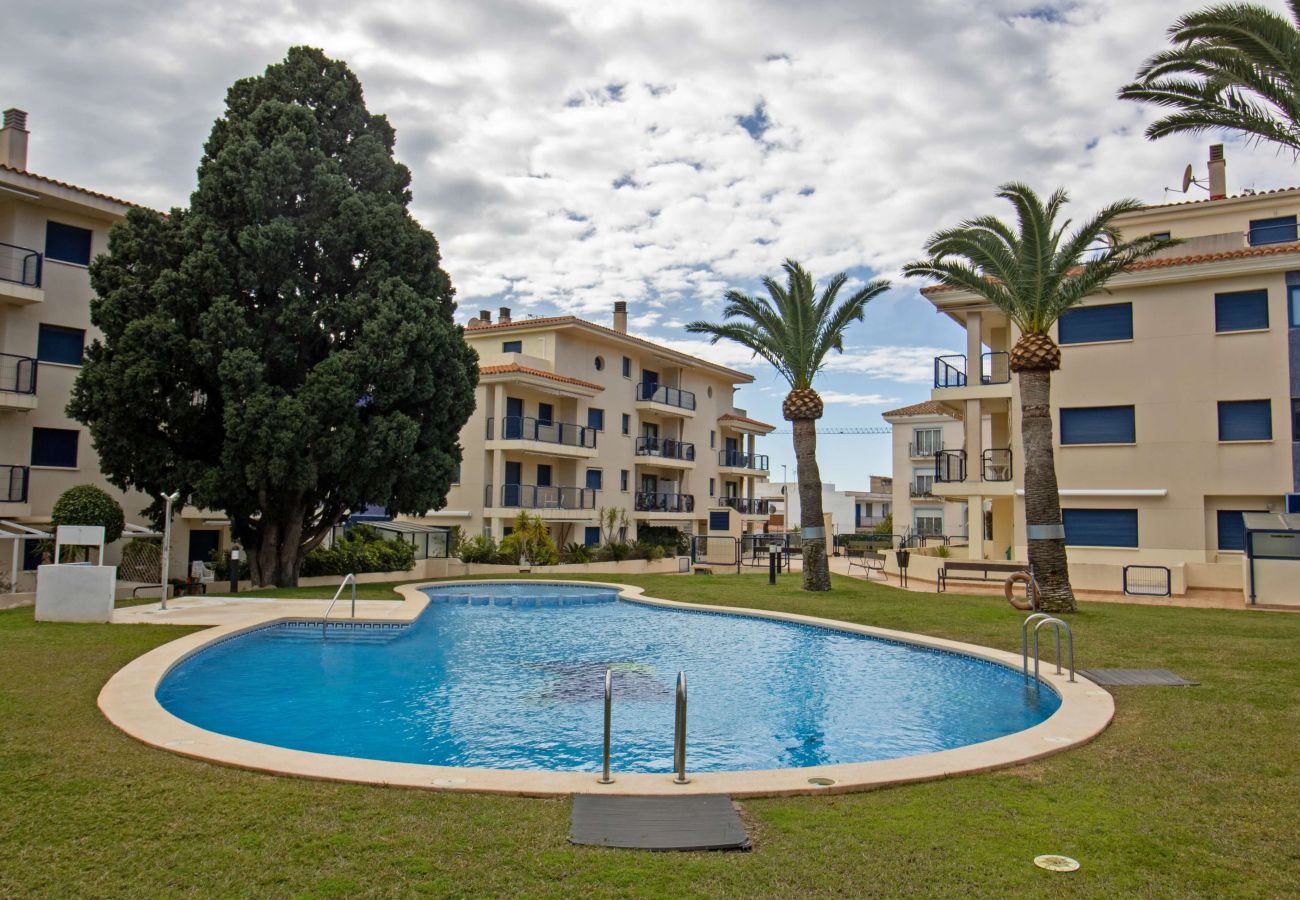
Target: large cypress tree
(282,350)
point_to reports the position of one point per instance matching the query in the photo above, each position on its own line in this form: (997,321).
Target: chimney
(1218,173)
(485,316)
(13,140)
(620,316)
(503,316)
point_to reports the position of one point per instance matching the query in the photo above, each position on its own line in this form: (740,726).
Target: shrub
(943,552)
(528,542)
(478,549)
(616,551)
(86,504)
(672,540)
(362,548)
(574,552)
(885,526)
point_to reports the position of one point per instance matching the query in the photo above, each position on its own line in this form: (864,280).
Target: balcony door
(510,490)
(513,427)
(649,483)
(543,475)
(732,448)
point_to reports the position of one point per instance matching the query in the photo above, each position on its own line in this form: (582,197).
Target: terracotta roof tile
(515,368)
(729,417)
(71,187)
(1240,196)
(924,408)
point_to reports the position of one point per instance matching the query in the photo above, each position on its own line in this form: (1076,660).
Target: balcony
(527,434)
(923,451)
(748,506)
(746,462)
(17,382)
(951,478)
(552,501)
(656,502)
(951,381)
(667,452)
(654,397)
(13,484)
(920,489)
(20,274)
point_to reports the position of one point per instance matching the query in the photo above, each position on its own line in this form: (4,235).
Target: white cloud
(848,399)
(909,365)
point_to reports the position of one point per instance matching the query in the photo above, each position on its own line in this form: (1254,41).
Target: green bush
(361,548)
(478,549)
(529,541)
(86,504)
(672,540)
(615,551)
(885,526)
(574,552)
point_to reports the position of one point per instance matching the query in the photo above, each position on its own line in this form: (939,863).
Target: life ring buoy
(1031,591)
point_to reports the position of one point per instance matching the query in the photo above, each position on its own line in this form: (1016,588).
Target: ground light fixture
(167,542)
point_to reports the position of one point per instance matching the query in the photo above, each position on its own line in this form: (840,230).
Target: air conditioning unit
(1293,504)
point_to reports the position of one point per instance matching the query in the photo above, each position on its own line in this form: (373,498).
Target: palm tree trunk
(1042,498)
(816,571)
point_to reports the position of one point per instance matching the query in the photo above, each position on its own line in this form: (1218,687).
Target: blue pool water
(511,676)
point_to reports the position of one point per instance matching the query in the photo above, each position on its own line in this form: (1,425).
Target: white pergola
(18,532)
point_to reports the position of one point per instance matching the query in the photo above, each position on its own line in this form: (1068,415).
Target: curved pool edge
(129,701)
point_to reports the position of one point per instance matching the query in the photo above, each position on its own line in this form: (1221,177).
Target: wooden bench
(867,559)
(977,570)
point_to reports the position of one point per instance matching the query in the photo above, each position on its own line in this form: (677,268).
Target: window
(545,413)
(1098,425)
(929,522)
(596,419)
(927,441)
(711,484)
(1240,311)
(622,480)
(54,447)
(1293,304)
(456,480)
(1245,420)
(1232,528)
(512,346)
(627,367)
(56,344)
(1161,235)
(591,536)
(599,363)
(595,479)
(713,439)
(67,243)
(627,424)
(1090,324)
(1272,231)
(1101,527)
(1295,420)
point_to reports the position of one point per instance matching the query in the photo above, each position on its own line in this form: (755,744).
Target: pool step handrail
(1038,620)
(351,577)
(679,733)
(605,777)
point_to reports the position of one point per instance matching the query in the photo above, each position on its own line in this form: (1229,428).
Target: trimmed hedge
(360,549)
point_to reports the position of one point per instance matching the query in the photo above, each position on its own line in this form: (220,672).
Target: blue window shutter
(591,536)
(1245,420)
(720,520)
(1241,310)
(1087,324)
(60,345)
(54,447)
(512,346)
(596,419)
(1101,527)
(595,479)
(1098,425)
(67,243)
(1232,529)
(1280,230)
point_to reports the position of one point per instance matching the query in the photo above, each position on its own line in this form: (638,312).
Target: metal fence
(1147,581)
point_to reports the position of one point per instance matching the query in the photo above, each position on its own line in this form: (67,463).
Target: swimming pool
(510,676)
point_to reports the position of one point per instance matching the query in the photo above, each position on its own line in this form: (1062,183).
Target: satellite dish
(1187,178)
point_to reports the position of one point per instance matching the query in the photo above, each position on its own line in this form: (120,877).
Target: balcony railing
(950,371)
(738,460)
(526,428)
(655,501)
(13,484)
(747,506)
(920,488)
(17,374)
(542,496)
(20,265)
(665,448)
(661,393)
(923,450)
(950,465)
(995,464)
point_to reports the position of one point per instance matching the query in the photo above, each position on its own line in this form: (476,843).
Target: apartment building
(573,417)
(1175,406)
(850,511)
(872,506)
(919,432)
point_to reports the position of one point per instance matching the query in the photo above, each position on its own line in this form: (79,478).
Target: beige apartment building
(919,432)
(573,417)
(1174,409)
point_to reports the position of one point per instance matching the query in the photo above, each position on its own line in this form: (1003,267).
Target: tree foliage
(86,504)
(283,349)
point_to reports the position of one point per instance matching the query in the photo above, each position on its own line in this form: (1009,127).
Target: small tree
(530,542)
(885,525)
(86,504)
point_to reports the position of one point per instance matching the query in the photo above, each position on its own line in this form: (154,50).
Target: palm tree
(794,330)
(1234,66)
(1033,274)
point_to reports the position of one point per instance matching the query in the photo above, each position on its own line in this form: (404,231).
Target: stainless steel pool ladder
(352,578)
(605,777)
(1038,620)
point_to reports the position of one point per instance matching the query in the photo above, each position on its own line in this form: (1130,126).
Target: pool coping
(129,701)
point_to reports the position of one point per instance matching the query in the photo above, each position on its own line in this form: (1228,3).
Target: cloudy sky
(570,153)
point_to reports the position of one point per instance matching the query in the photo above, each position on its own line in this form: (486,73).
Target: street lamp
(167,542)
(785,500)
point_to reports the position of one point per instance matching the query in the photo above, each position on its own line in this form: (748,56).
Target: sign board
(720,520)
(78,536)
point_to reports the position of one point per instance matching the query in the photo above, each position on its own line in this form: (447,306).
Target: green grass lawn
(1192,792)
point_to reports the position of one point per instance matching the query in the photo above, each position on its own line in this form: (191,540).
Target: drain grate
(658,823)
(1136,677)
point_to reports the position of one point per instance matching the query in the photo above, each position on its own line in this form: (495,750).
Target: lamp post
(167,542)
(785,503)
(234,570)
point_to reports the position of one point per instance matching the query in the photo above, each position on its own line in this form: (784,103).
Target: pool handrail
(1057,625)
(605,777)
(679,733)
(350,577)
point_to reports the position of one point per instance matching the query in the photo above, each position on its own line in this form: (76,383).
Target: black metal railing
(665,448)
(17,374)
(526,428)
(747,506)
(948,375)
(13,484)
(542,496)
(20,265)
(995,367)
(661,393)
(995,464)
(950,465)
(737,460)
(656,501)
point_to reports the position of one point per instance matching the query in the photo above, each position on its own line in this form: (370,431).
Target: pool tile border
(129,701)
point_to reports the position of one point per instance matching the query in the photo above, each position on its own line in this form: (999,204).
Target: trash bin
(904,557)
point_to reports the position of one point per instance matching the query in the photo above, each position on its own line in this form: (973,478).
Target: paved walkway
(212,610)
